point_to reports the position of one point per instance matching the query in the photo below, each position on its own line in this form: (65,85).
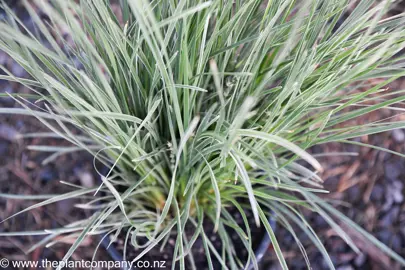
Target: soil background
(370,183)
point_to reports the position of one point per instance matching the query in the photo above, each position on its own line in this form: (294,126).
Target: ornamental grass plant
(199,107)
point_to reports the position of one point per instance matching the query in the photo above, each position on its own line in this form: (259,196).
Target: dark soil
(372,185)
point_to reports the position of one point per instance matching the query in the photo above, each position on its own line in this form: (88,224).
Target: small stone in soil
(398,135)
(397,194)
(388,202)
(392,170)
(346,257)
(360,260)
(18,70)
(3,58)
(19,124)
(345,267)
(354,192)
(7,100)
(377,193)
(65,206)
(384,236)
(78,65)
(85,177)
(9,133)
(390,217)
(47,174)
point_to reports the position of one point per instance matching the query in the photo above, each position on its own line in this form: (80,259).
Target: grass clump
(196,107)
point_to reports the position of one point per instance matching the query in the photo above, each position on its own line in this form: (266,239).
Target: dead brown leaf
(365,246)
(347,180)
